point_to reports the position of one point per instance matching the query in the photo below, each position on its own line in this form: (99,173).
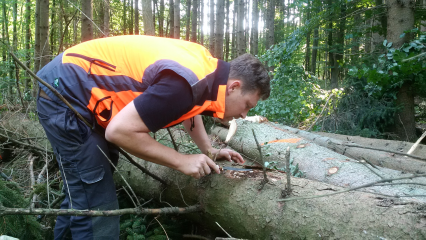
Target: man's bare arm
(200,137)
(128,131)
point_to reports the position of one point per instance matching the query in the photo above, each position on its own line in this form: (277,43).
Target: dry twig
(265,177)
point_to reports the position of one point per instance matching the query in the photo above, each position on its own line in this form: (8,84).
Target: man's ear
(235,84)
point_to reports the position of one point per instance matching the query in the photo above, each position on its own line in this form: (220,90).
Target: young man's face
(237,104)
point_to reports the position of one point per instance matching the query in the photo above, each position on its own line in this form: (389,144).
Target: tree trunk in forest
(194,21)
(254,43)
(219,29)
(240,33)
(202,22)
(171,19)
(3,31)
(314,50)
(154,7)
(339,56)
(124,17)
(308,38)
(400,19)
(131,17)
(136,9)
(177,19)
(52,22)
(188,20)
(15,30)
(331,55)
(36,45)
(226,53)
(212,24)
(44,33)
(233,199)
(270,24)
(423,22)
(27,86)
(161,19)
(5,21)
(234,43)
(355,40)
(148,23)
(86,20)
(357,148)
(106,17)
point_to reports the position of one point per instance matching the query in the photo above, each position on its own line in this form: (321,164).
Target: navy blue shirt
(166,100)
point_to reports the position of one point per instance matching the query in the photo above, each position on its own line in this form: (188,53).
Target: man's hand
(197,165)
(227,154)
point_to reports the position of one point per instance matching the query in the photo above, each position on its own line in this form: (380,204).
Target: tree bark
(331,55)
(234,200)
(188,19)
(161,19)
(270,24)
(27,86)
(226,53)
(240,32)
(86,20)
(219,29)
(308,38)
(44,33)
(131,17)
(254,30)
(172,19)
(202,22)
(212,24)
(107,17)
(423,22)
(194,21)
(400,19)
(177,19)
(234,43)
(148,23)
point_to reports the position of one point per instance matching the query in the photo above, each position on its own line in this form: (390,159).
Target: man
(129,86)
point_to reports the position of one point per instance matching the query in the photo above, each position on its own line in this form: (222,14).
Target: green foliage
(397,65)
(139,228)
(19,226)
(295,93)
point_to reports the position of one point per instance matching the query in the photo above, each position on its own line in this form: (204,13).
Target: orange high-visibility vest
(118,69)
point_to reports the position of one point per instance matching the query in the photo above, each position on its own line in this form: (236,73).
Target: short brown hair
(252,73)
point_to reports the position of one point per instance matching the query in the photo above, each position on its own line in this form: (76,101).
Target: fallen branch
(384,150)
(416,144)
(25,144)
(352,189)
(93,213)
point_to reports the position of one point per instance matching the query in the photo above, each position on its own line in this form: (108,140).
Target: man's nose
(244,114)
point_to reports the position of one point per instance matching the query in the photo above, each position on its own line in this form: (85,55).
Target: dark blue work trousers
(86,173)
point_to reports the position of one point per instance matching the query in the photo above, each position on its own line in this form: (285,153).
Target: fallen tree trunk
(233,200)
(383,158)
(318,163)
